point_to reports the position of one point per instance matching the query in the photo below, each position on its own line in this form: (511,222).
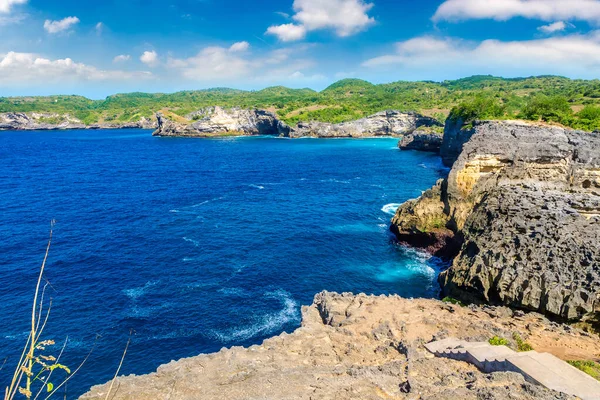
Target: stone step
(540,368)
(565,378)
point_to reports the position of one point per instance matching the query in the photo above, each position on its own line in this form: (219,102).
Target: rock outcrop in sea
(52,121)
(218,121)
(363,347)
(519,215)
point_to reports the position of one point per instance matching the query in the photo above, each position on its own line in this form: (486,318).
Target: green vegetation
(589,367)
(452,300)
(546,98)
(521,344)
(498,341)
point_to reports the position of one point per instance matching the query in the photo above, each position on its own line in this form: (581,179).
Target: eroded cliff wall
(522,205)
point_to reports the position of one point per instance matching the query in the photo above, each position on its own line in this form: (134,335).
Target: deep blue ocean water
(194,244)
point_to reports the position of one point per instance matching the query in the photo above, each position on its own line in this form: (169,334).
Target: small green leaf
(49,386)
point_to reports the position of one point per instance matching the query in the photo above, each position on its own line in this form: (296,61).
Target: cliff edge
(519,215)
(363,347)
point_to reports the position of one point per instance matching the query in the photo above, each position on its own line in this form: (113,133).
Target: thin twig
(119,369)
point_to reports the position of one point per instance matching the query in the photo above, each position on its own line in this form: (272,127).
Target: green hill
(346,100)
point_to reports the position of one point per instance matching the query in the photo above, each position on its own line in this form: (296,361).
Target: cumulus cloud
(226,65)
(287,32)
(569,55)
(239,46)
(28,69)
(61,25)
(122,58)
(553,27)
(6,5)
(149,58)
(502,10)
(345,17)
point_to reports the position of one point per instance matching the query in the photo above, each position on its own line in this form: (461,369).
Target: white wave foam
(238,292)
(136,293)
(266,324)
(257,186)
(193,241)
(391,208)
(333,180)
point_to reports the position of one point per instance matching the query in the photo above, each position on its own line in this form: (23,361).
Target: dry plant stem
(26,358)
(118,369)
(52,371)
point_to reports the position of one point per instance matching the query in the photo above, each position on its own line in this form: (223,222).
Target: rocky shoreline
(51,122)
(518,215)
(218,121)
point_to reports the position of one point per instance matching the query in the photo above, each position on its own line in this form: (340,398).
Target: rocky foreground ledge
(519,215)
(218,121)
(364,347)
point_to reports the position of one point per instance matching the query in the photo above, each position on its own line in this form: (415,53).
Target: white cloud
(288,32)
(30,69)
(575,55)
(149,58)
(345,17)
(99,28)
(502,10)
(60,26)
(6,5)
(221,65)
(122,58)
(239,46)
(553,27)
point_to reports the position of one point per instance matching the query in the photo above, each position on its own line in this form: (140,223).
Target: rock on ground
(363,347)
(520,210)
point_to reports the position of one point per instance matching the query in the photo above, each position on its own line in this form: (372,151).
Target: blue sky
(97,48)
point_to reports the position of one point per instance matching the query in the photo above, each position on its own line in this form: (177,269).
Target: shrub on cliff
(588,119)
(548,109)
(478,107)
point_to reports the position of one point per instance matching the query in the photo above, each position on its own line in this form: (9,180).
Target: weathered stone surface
(421,141)
(39,121)
(363,347)
(526,200)
(385,123)
(218,121)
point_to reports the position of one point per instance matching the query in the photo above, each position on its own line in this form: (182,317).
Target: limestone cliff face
(362,347)
(421,141)
(523,202)
(218,121)
(52,121)
(385,123)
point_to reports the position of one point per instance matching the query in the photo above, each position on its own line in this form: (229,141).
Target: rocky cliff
(363,347)
(50,121)
(385,123)
(218,121)
(422,141)
(519,214)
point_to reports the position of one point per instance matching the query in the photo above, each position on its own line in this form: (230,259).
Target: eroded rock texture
(385,123)
(362,347)
(421,141)
(218,121)
(524,201)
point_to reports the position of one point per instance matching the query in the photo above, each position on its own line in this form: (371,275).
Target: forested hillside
(550,98)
